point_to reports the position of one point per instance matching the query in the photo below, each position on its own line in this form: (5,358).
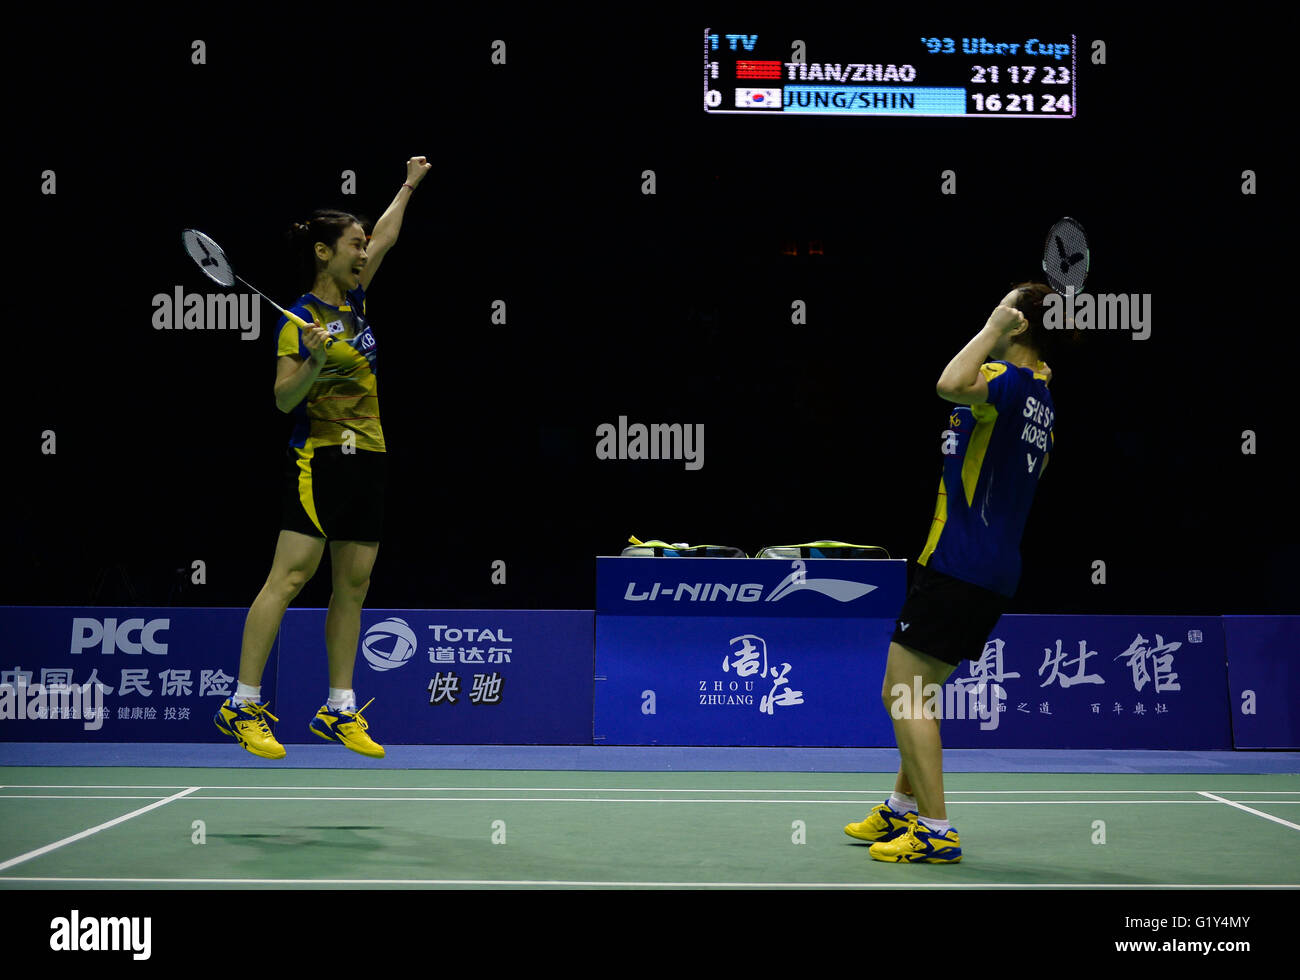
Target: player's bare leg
(351,563)
(243,715)
(341,720)
(901,785)
(921,772)
(297,556)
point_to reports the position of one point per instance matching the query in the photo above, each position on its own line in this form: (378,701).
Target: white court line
(94,830)
(601,799)
(651,789)
(1258,813)
(66,796)
(588,799)
(426,882)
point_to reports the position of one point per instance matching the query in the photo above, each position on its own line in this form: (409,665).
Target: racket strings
(209,257)
(1065,256)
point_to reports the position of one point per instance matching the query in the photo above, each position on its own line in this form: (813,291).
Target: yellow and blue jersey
(345,396)
(993,456)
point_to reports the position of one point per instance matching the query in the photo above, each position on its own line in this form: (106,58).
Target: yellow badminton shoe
(883,823)
(347,727)
(247,723)
(920,844)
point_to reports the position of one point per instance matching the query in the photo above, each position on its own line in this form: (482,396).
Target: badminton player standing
(335,471)
(995,450)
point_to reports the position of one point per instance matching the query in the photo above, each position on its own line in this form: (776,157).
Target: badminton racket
(1065,256)
(212,262)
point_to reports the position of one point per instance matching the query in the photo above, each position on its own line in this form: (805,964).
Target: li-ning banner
(718,651)
(459,676)
(72,673)
(683,659)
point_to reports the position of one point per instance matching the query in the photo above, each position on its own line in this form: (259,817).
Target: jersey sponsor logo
(365,341)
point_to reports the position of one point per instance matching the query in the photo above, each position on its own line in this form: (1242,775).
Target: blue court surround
(616,758)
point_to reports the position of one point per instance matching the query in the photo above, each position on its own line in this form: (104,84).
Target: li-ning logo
(102,934)
(841,590)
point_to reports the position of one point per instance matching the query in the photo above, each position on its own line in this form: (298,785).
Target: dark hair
(323,226)
(1030,303)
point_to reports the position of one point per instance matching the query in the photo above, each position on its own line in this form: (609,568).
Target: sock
(901,802)
(938,826)
(341,699)
(245,693)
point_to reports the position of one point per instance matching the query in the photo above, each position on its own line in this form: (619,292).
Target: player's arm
(962,381)
(384,235)
(295,375)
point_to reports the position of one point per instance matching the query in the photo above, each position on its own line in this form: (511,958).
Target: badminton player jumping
(335,471)
(995,450)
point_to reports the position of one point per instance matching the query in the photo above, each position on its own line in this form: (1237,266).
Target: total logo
(131,636)
(388,644)
(842,590)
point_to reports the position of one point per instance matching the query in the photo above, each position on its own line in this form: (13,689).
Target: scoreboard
(1007,76)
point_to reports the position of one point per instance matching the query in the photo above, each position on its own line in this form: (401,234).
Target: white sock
(902,802)
(938,826)
(341,699)
(245,693)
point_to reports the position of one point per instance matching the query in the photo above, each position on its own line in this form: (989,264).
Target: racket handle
(303,325)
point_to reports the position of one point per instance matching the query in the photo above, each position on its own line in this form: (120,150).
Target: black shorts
(946,617)
(345,492)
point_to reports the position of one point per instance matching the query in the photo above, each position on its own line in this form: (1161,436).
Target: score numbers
(1008,76)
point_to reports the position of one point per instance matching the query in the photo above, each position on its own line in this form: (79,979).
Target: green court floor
(213,828)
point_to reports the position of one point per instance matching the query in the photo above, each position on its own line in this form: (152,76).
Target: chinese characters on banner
(1148,662)
(746,665)
(170,684)
(445,687)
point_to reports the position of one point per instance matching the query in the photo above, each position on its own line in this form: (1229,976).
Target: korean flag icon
(758,98)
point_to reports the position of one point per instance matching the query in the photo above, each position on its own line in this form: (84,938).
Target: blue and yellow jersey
(993,457)
(345,397)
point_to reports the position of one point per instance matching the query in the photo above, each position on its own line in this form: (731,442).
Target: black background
(666,308)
